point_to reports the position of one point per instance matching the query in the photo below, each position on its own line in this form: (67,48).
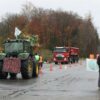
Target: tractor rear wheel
(26,69)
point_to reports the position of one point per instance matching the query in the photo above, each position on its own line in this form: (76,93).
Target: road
(66,82)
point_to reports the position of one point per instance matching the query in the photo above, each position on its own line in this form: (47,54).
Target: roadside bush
(47,55)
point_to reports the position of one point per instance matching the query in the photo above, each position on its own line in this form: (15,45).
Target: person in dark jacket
(98,62)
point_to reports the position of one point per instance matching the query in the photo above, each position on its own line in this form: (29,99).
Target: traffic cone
(40,71)
(80,62)
(76,63)
(70,64)
(51,69)
(60,67)
(65,67)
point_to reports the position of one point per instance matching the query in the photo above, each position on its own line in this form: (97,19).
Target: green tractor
(18,58)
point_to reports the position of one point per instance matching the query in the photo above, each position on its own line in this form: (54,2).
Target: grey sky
(81,7)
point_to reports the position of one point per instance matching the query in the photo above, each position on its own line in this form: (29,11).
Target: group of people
(39,58)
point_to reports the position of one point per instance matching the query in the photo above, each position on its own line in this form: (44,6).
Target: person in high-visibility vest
(37,57)
(40,61)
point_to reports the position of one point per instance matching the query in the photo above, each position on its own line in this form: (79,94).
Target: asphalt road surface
(57,82)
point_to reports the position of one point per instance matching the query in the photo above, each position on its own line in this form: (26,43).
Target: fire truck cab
(61,55)
(65,55)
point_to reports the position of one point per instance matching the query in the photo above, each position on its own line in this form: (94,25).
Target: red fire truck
(74,54)
(65,55)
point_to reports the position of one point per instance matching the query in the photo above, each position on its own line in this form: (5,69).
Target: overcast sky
(81,7)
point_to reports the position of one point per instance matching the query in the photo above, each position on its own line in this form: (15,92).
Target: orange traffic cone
(80,62)
(65,67)
(51,69)
(70,65)
(60,67)
(76,63)
(40,71)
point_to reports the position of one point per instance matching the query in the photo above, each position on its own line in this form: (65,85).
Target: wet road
(67,82)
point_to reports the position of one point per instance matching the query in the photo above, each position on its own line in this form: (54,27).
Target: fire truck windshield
(60,49)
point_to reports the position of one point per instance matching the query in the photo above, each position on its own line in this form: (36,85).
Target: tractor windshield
(13,47)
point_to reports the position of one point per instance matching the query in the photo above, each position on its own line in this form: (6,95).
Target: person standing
(41,61)
(37,57)
(98,62)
